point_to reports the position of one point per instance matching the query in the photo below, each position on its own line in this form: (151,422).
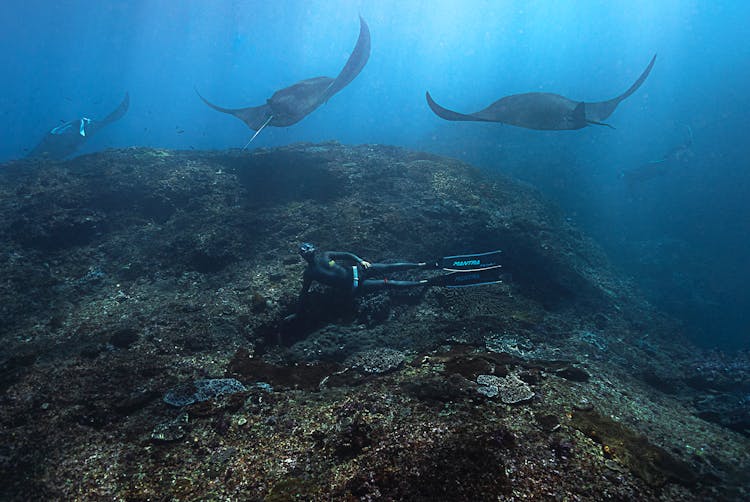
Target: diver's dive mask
(306,249)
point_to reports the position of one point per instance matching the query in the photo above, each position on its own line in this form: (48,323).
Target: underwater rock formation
(130,272)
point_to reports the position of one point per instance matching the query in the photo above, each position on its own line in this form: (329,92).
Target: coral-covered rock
(202,390)
(510,388)
(376,361)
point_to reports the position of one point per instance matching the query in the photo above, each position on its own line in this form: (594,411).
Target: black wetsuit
(346,272)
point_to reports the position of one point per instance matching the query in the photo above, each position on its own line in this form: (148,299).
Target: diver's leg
(381,268)
(374,284)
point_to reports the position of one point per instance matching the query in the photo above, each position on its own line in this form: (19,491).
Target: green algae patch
(651,463)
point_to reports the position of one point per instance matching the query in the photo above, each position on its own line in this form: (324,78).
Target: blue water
(682,236)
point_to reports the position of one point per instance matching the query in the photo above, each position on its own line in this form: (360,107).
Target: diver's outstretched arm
(306,283)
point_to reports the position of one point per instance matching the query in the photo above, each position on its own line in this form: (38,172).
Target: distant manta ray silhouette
(543,110)
(290,105)
(65,139)
(677,156)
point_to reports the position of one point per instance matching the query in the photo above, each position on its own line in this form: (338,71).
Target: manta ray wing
(356,62)
(116,114)
(253,116)
(447,114)
(597,112)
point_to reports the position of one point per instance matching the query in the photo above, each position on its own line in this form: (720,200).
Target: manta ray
(65,139)
(290,105)
(543,110)
(679,155)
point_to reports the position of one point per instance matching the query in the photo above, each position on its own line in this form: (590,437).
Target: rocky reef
(133,274)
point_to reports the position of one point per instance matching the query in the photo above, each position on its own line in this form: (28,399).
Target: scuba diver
(353,275)
(65,139)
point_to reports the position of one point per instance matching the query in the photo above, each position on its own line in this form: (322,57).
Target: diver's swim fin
(470,262)
(467,278)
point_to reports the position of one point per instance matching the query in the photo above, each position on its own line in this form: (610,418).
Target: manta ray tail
(256,117)
(597,112)
(257,132)
(594,122)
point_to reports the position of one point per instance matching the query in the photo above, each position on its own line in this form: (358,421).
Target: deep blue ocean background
(682,236)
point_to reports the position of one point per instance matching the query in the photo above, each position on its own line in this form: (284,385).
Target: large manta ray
(65,139)
(291,104)
(543,110)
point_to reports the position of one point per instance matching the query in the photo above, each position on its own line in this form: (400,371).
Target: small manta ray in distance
(290,105)
(677,156)
(543,110)
(65,139)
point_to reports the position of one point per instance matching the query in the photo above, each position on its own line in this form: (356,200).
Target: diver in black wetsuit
(354,274)
(350,275)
